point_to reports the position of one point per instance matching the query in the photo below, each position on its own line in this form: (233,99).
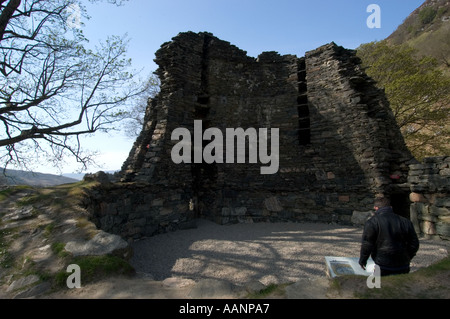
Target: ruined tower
(339,145)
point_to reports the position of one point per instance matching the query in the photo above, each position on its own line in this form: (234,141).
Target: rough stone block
(226,211)
(140,222)
(272,204)
(429,217)
(240,211)
(158,202)
(165,211)
(443,229)
(442,201)
(439,211)
(428,228)
(422,209)
(444,219)
(416,197)
(360,218)
(414,217)
(418,188)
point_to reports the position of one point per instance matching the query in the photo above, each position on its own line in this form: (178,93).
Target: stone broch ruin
(339,145)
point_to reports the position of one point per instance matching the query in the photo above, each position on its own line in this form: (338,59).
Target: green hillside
(427,29)
(413,67)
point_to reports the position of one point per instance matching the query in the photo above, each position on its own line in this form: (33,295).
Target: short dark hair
(382,202)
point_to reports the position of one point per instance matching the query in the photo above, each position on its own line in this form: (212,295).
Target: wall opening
(401,204)
(204,175)
(304,122)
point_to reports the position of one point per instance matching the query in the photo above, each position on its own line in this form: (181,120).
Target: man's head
(381,202)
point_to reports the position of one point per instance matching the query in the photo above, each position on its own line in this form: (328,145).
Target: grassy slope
(52,207)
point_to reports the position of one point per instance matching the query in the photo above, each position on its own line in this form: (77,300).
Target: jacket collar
(384,210)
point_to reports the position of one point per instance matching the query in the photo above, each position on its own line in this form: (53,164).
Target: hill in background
(427,29)
(14,177)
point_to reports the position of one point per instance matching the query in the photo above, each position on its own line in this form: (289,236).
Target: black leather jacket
(390,239)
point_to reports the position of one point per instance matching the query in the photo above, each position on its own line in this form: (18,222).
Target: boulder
(102,244)
(100,177)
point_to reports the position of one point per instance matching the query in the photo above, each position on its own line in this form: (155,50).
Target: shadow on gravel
(242,253)
(265,252)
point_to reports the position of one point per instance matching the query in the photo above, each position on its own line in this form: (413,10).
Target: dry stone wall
(430,196)
(339,145)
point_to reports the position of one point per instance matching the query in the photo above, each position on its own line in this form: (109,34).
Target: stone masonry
(339,145)
(430,196)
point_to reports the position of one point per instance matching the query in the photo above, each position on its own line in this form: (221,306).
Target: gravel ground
(265,252)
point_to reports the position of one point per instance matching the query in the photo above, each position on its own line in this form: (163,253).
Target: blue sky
(285,26)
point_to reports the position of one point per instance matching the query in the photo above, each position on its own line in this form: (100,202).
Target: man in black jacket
(390,239)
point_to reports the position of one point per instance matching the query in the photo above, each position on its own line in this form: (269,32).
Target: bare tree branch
(6,15)
(53,90)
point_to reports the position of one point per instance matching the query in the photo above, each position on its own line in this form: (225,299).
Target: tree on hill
(418,92)
(53,89)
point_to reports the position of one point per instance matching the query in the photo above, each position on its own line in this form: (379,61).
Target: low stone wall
(137,210)
(134,210)
(430,196)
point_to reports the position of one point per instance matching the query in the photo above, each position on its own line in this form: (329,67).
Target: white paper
(338,266)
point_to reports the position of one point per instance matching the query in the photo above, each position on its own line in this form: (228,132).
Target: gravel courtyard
(265,252)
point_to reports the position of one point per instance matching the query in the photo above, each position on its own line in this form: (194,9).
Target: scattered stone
(20,214)
(22,283)
(212,289)
(308,289)
(254,286)
(34,291)
(175,282)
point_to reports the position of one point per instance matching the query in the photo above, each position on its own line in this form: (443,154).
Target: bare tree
(52,89)
(135,115)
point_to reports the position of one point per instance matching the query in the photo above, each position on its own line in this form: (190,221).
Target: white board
(338,266)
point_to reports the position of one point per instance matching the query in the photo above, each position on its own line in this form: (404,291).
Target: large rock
(100,177)
(102,244)
(272,204)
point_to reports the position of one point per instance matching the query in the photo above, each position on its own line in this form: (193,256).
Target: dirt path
(216,261)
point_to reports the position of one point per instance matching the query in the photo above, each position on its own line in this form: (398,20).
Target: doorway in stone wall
(401,204)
